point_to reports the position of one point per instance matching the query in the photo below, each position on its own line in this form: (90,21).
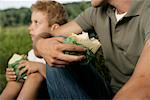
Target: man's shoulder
(96,11)
(145,12)
(146,6)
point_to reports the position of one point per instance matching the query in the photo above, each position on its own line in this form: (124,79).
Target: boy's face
(39,24)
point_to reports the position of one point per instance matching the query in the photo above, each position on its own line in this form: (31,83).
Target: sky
(4,4)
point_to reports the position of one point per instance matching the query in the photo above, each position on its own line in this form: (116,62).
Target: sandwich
(14,63)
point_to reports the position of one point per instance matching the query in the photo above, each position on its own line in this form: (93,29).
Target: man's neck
(121,6)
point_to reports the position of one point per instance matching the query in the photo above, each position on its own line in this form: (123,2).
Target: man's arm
(138,86)
(70,27)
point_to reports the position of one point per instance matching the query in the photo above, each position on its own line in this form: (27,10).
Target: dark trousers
(76,81)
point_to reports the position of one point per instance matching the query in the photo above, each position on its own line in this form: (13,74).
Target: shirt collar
(134,10)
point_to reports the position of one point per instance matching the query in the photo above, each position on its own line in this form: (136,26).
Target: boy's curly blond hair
(54,10)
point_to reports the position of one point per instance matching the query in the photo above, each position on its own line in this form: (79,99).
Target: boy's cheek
(33,38)
(34,48)
(33,44)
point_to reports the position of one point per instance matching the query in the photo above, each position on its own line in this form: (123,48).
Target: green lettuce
(88,53)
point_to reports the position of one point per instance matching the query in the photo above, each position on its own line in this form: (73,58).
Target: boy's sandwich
(14,63)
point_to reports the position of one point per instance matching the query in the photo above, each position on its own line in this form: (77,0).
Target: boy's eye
(36,22)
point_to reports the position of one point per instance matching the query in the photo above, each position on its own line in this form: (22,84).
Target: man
(123,29)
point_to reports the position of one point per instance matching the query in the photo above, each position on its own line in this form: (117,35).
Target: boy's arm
(138,86)
(42,70)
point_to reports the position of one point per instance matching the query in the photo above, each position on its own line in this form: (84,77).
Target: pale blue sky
(4,4)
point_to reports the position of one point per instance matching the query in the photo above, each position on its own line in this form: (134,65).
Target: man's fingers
(59,38)
(54,61)
(55,65)
(71,47)
(63,59)
(59,66)
(69,58)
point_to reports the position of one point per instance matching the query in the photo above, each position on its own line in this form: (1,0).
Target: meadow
(12,40)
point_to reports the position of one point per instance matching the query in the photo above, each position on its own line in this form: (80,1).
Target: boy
(46,16)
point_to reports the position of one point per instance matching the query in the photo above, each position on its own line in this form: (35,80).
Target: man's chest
(125,37)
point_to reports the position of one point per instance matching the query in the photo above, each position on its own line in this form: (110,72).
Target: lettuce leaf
(88,53)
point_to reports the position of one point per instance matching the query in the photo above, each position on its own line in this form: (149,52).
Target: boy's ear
(54,26)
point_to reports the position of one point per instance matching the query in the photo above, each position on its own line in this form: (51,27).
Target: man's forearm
(135,89)
(70,27)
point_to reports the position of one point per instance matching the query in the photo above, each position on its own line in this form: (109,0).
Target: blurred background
(14,20)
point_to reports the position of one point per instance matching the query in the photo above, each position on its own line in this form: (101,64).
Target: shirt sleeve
(147,26)
(32,57)
(147,31)
(84,20)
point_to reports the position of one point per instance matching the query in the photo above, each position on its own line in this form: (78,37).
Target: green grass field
(12,40)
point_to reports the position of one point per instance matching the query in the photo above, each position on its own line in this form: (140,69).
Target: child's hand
(10,74)
(30,67)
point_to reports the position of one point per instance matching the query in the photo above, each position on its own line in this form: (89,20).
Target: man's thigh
(91,81)
(61,84)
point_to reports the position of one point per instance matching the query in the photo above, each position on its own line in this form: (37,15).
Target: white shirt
(32,57)
(119,16)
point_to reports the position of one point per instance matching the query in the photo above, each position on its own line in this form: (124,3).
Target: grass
(12,40)
(2,82)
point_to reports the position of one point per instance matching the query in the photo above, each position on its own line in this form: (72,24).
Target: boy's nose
(29,28)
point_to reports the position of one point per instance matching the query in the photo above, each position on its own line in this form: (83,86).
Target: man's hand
(52,50)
